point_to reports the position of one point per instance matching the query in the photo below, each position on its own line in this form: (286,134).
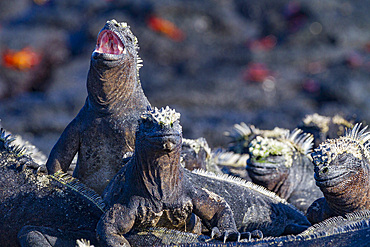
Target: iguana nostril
(325,170)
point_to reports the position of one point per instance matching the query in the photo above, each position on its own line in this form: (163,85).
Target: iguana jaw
(115,44)
(335,178)
(109,44)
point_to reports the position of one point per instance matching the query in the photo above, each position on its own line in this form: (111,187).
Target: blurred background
(217,62)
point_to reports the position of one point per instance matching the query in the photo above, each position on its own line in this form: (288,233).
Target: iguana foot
(226,235)
(26,163)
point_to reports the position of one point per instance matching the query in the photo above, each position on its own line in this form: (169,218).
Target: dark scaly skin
(195,153)
(151,190)
(342,172)
(347,231)
(281,165)
(254,207)
(30,197)
(323,127)
(104,129)
(352,229)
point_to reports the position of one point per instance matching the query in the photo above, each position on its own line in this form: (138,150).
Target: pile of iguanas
(133,184)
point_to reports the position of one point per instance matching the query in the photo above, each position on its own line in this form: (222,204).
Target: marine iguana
(30,197)
(152,189)
(282,165)
(233,160)
(196,154)
(104,129)
(342,172)
(153,182)
(275,159)
(323,127)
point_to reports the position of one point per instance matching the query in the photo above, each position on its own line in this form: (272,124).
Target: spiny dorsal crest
(240,131)
(355,141)
(224,158)
(124,27)
(302,142)
(80,188)
(83,243)
(243,131)
(7,144)
(163,116)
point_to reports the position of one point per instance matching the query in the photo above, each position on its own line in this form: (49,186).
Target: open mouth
(109,43)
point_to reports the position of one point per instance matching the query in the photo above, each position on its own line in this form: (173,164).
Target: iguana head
(271,158)
(115,45)
(159,130)
(113,74)
(342,167)
(242,134)
(338,160)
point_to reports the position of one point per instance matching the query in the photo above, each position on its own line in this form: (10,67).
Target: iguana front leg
(117,221)
(216,214)
(64,150)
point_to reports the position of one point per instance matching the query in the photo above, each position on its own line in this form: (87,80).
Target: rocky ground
(218,62)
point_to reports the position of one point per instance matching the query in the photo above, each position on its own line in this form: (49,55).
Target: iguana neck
(112,89)
(159,174)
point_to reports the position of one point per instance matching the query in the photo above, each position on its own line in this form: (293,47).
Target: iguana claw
(254,234)
(227,235)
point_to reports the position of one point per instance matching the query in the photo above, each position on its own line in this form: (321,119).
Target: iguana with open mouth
(104,129)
